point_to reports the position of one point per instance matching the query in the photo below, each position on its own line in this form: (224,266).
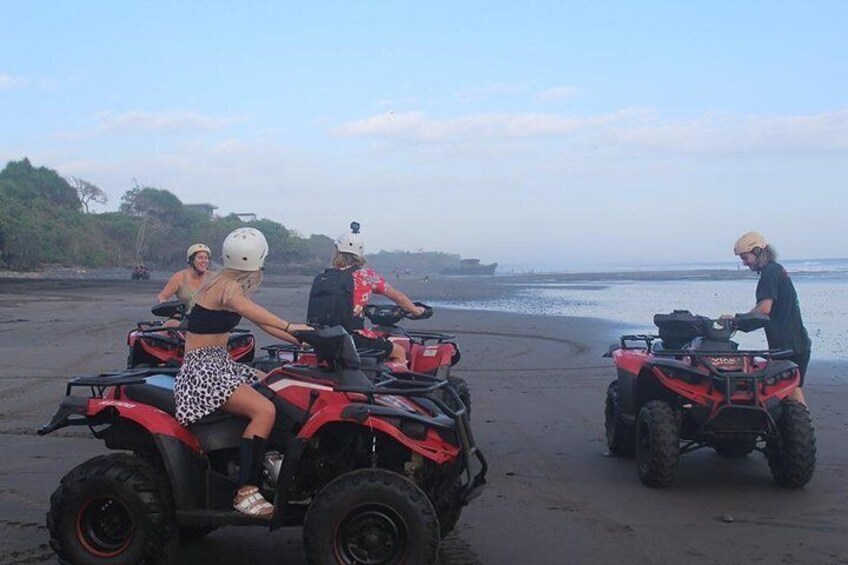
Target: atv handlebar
(749,321)
(391,314)
(169,309)
(681,326)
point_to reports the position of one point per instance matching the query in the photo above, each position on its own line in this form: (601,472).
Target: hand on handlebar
(422,311)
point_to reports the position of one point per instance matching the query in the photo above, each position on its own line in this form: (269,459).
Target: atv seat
(218,430)
(156,390)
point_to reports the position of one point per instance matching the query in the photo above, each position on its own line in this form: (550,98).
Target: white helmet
(748,242)
(245,249)
(197,248)
(351,242)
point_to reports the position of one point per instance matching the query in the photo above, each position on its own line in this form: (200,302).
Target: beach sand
(538,383)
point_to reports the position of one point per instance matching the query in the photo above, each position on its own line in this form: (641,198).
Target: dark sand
(554,496)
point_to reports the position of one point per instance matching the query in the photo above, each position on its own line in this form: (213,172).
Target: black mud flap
(291,461)
(69,407)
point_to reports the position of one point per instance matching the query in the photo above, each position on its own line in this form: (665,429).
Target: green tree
(22,181)
(87,192)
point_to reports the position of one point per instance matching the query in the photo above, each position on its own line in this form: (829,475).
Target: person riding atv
(376,469)
(140,272)
(184,284)
(340,294)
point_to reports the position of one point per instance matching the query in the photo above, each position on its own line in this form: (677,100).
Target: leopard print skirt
(206,380)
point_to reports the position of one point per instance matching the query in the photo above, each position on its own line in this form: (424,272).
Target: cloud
(557,93)
(626,130)
(490,90)
(416,126)
(166,122)
(10,81)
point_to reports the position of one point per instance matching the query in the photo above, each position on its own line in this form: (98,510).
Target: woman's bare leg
(248,403)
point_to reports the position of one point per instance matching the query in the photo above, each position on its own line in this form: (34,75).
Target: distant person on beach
(210,380)
(776,297)
(340,294)
(185,283)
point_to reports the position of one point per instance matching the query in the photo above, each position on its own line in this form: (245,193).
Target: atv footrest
(216,518)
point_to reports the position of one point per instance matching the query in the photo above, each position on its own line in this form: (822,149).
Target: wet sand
(554,495)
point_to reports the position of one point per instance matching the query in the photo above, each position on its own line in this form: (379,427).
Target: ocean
(630,298)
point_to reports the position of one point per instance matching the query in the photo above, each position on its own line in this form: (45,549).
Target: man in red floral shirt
(350,257)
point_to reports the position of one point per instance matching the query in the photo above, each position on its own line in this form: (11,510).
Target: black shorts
(380,344)
(802,360)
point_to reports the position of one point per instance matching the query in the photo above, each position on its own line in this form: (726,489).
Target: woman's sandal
(251,502)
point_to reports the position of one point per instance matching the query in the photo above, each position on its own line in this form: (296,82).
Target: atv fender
(179,450)
(80,411)
(431,446)
(184,466)
(646,387)
(151,419)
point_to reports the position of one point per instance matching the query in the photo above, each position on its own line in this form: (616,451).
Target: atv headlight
(786,375)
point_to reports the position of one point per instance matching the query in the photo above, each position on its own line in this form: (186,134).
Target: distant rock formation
(471,267)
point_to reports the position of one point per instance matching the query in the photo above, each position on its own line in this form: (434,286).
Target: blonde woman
(210,380)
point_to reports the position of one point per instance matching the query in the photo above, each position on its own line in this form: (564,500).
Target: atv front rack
(278,351)
(411,386)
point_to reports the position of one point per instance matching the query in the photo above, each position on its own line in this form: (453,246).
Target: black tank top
(205,321)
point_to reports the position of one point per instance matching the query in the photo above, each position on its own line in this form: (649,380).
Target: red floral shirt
(366,281)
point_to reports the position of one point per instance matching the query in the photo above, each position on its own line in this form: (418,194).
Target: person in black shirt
(776,297)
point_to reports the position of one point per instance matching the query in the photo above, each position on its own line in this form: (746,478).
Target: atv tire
(448,509)
(792,454)
(657,443)
(111,509)
(621,437)
(371,516)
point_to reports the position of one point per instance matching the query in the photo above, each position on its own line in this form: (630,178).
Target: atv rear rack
(99,383)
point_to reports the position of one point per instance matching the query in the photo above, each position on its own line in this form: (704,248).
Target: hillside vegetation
(43,223)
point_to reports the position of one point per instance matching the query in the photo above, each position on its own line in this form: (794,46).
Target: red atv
(691,387)
(430,353)
(376,469)
(140,272)
(433,353)
(152,344)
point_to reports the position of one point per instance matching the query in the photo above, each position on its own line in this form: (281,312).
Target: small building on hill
(207,210)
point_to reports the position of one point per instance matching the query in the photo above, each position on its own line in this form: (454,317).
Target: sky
(545,135)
